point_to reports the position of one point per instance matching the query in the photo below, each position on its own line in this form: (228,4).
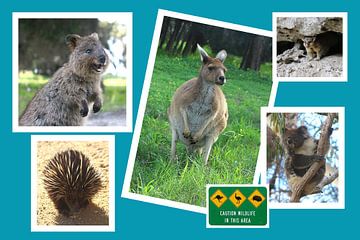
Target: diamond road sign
(237,206)
(218,198)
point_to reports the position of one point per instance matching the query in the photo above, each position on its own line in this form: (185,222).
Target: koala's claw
(319,158)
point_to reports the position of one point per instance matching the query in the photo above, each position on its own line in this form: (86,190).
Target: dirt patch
(97,213)
(117,118)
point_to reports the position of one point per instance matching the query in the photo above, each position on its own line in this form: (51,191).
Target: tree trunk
(164,30)
(173,35)
(252,57)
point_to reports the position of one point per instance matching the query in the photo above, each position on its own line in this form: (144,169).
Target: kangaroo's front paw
(97,106)
(84,111)
(192,140)
(186,133)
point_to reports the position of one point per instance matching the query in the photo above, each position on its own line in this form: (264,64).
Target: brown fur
(65,99)
(301,149)
(318,46)
(198,112)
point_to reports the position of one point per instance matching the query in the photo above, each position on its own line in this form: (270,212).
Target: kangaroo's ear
(221,55)
(95,36)
(71,40)
(203,55)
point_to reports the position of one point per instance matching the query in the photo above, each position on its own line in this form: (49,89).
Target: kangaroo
(198,112)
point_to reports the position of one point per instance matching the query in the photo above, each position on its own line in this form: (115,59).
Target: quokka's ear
(203,55)
(95,36)
(71,40)
(221,55)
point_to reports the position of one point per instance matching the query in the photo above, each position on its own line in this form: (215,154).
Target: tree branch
(327,180)
(326,131)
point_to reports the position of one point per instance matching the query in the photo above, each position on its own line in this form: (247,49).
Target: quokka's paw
(84,112)
(97,107)
(186,133)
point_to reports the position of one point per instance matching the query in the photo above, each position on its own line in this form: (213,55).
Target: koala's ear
(71,41)
(304,131)
(95,36)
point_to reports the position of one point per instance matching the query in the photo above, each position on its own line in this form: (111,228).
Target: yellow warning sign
(256,198)
(237,198)
(218,198)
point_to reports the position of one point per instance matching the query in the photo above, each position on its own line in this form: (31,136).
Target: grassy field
(233,157)
(114,95)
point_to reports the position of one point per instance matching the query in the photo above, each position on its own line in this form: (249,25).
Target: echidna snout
(71,181)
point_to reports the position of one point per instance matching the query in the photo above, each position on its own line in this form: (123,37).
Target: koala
(301,151)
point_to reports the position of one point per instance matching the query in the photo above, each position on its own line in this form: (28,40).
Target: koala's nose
(102,59)
(290,141)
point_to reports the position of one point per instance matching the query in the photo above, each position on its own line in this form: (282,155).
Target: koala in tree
(301,151)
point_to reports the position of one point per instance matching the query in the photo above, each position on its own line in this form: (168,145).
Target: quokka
(66,98)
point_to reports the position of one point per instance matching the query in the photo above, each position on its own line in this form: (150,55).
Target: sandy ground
(97,212)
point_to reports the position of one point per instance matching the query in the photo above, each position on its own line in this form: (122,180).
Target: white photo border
(34,184)
(66,15)
(143,101)
(343,78)
(341,178)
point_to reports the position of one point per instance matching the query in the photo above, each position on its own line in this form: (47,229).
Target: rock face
(295,61)
(330,66)
(293,28)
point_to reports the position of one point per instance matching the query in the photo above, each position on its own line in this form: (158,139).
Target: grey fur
(65,99)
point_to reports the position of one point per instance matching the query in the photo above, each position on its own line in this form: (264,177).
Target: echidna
(71,181)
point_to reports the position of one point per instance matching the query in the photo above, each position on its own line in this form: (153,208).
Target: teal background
(138,220)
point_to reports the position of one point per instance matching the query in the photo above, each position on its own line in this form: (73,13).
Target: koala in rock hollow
(301,151)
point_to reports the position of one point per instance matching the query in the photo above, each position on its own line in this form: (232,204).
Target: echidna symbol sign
(237,206)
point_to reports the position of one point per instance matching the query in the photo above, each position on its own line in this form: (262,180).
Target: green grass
(233,156)
(114,95)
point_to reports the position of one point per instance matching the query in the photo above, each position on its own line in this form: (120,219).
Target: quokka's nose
(102,59)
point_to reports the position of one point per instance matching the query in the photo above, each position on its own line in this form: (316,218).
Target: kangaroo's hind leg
(174,138)
(207,148)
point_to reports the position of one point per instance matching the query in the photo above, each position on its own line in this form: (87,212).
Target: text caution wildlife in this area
(237,205)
